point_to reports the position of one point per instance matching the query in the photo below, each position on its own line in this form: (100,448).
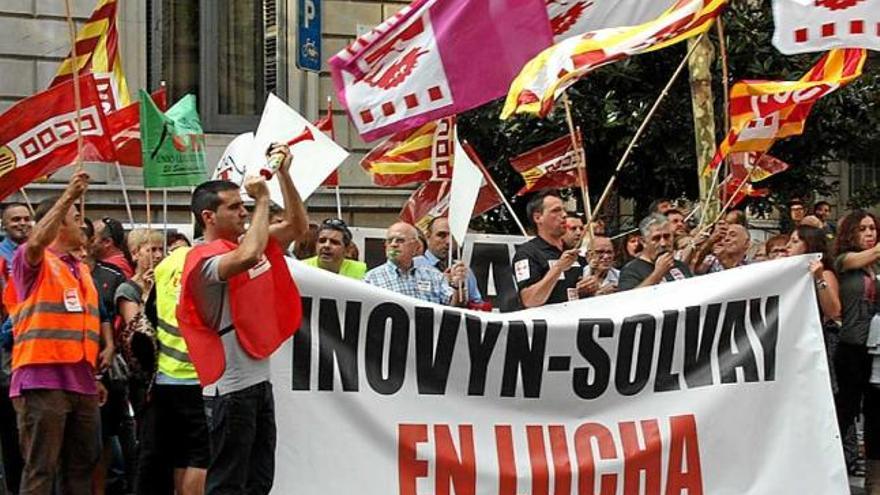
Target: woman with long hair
(857,255)
(628,248)
(803,240)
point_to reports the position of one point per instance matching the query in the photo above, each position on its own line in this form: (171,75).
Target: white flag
(466,182)
(819,25)
(233,164)
(314,158)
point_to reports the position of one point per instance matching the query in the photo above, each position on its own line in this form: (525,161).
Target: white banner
(713,385)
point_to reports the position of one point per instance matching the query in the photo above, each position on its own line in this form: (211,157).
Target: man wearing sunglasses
(334,239)
(655,264)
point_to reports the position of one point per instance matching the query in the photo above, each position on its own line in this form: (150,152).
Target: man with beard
(437,256)
(655,264)
(676,222)
(545,271)
(334,239)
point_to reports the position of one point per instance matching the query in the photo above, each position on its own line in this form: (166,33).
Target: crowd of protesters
(111,402)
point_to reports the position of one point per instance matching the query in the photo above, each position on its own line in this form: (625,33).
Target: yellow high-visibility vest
(174,360)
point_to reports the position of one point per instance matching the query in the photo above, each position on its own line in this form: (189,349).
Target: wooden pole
(77,100)
(642,127)
(27,200)
(725,83)
(125,195)
(577,146)
(500,194)
(165,221)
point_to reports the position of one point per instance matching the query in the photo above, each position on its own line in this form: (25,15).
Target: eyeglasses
(602,253)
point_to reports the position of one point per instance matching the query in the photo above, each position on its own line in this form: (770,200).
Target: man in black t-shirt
(544,273)
(655,264)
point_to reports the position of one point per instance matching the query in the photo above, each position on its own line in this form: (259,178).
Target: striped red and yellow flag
(549,74)
(763,111)
(97,52)
(413,156)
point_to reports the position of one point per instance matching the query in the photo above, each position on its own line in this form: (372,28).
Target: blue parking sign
(308,53)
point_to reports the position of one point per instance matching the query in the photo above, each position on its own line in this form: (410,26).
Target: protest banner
(715,385)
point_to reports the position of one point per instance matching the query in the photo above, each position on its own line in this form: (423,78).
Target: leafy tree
(610,104)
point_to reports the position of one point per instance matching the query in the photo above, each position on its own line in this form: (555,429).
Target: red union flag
(38,134)
(756,166)
(550,166)
(325,125)
(819,25)
(431,200)
(125,129)
(763,111)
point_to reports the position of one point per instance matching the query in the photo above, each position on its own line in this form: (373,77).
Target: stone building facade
(230,54)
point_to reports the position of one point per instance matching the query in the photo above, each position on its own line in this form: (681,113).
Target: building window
(224,51)
(863,175)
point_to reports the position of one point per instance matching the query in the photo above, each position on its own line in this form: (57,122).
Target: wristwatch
(821,284)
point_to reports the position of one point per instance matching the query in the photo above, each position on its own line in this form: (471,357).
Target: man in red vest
(238,303)
(55,313)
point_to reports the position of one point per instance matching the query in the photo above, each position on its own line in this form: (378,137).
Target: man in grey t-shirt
(239,406)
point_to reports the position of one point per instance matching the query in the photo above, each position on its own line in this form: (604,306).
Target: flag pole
(333,137)
(27,200)
(641,130)
(149,213)
(77,101)
(165,220)
(581,163)
(725,74)
(125,194)
(479,163)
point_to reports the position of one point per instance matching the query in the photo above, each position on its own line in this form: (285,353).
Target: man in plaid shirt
(421,282)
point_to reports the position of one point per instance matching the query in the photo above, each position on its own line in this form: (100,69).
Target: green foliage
(611,103)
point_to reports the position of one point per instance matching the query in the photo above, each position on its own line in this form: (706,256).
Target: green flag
(173,144)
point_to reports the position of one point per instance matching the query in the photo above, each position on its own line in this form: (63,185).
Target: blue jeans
(242,433)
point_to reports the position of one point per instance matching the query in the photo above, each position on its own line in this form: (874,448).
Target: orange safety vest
(59,322)
(264,302)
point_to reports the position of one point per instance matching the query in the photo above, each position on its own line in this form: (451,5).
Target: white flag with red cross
(819,25)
